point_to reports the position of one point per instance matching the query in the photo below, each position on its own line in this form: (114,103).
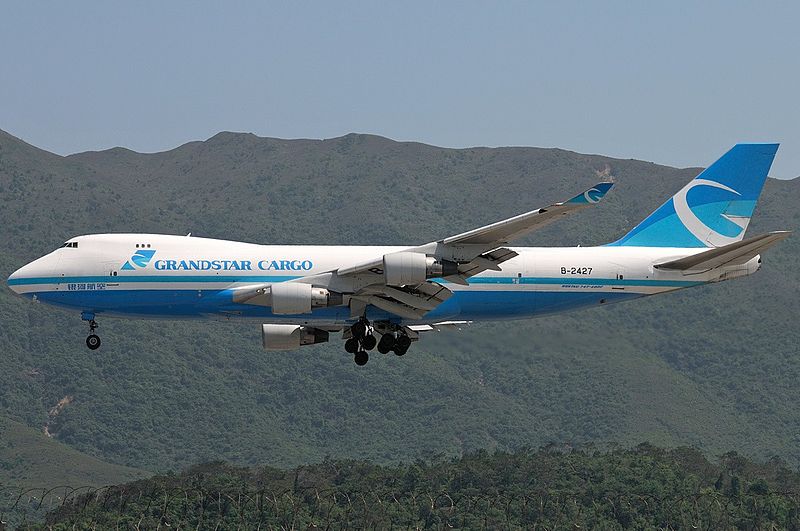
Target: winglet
(592,195)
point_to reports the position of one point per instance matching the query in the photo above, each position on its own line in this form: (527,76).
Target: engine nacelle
(291,298)
(406,267)
(291,337)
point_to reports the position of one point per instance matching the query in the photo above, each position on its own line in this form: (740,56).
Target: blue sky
(672,82)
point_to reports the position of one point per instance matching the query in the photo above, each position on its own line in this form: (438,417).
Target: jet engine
(291,337)
(294,297)
(289,298)
(407,267)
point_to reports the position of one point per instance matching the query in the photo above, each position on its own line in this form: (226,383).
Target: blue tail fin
(714,208)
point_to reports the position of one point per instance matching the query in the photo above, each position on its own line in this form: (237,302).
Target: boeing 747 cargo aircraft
(385,297)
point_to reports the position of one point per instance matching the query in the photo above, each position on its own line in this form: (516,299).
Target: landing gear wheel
(359,329)
(369,342)
(93,341)
(351,345)
(361,357)
(386,344)
(400,351)
(403,342)
(383,349)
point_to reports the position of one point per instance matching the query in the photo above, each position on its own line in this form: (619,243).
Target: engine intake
(291,337)
(406,267)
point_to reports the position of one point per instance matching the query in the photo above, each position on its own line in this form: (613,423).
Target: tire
(403,341)
(400,351)
(386,344)
(369,342)
(359,330)
(351,345)
(93,342)
(383,349)
(361,358)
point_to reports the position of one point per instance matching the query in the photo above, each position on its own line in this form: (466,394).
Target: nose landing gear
(93,340)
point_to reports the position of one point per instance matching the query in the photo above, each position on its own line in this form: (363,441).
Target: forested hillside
(28,458)
(715,367)
(643,488)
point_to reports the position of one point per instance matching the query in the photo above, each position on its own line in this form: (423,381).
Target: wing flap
(732,254)
(396,308)
(487,261)
(439,327)
(410,303)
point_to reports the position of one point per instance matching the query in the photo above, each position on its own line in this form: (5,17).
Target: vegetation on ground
(640,488)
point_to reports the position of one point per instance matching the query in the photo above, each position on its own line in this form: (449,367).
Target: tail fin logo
(138,260)
(593,195)
(696,226)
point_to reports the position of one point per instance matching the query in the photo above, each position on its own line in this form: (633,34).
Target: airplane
(385,296)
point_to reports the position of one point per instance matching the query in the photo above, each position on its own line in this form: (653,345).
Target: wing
(408,283)
(510,229)
(470,246)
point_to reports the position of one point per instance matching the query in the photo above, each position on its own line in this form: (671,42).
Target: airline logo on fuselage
(139,259)
(233,265)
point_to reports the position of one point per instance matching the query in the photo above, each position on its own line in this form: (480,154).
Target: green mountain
(35,472)
(714,367)
(28,458)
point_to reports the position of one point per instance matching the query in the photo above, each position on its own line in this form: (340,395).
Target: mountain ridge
(716,368)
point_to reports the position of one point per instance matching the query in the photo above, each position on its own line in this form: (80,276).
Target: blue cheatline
(713,209)
(230,279)
(192,303)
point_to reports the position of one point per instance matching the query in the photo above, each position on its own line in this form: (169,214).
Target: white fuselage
(161,276)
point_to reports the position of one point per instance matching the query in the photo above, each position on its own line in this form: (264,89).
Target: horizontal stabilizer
(732,254)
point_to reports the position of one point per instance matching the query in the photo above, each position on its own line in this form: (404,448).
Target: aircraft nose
(16,279)
(13,278)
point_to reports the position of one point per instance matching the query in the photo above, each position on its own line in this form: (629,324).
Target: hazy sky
(672,82)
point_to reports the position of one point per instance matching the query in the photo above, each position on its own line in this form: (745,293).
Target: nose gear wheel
(93,340)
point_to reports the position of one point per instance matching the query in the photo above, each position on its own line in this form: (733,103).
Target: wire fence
(201,507)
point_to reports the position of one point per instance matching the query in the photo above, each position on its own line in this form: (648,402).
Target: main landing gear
(93,340)
(362,338)
(360,342)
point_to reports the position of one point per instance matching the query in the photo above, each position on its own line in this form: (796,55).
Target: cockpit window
(73,245)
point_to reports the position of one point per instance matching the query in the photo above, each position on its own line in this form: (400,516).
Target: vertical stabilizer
(714,208)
